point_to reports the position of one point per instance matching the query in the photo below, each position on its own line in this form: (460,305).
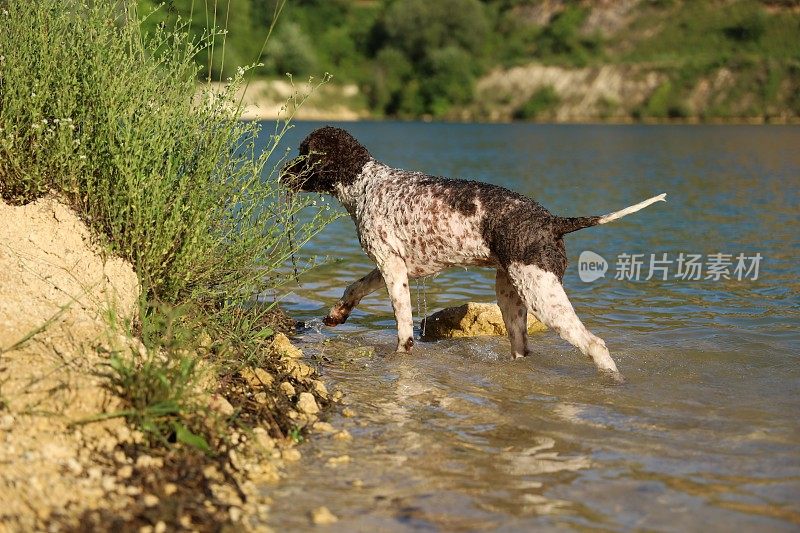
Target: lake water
(705,433)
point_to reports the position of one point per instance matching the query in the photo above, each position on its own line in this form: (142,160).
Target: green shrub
(107,116)
(541,102)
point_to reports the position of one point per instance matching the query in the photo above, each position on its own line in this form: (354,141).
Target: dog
(414,225)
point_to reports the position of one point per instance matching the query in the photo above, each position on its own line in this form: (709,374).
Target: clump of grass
(159,381)
(108,117)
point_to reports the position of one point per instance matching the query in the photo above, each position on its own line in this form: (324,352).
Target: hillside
(625,60)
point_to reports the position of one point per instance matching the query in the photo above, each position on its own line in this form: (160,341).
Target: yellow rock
(471,320)
(256,377)
(284,347)
(322,516)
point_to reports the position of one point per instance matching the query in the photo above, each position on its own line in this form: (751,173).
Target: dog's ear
(331,155)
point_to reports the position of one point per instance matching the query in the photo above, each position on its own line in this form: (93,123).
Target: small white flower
(82,157)
(44,121)
(33,95)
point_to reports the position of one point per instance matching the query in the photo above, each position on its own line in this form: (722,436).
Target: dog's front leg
(352,296)
(395,274)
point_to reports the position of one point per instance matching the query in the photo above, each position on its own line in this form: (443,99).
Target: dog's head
(327,156)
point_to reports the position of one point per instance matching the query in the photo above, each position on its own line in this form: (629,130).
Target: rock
(333,462)
(220,405)
(204,341)
(125,472)
(235,513)
(471,320)
(297,369)
(324,427)
(319,389)
(307,404)
(343,435)
(170,489)
(288,389)
(322,516)
(161,527)
(150,500)
(263,440)
(347,412)
(282,346)
(257,377)
(6,421)
(291,455)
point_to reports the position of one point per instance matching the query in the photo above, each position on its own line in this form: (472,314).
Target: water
(456,437)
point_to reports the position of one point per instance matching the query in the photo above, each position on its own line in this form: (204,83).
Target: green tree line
(423,57)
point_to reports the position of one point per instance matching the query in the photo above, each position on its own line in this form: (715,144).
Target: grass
(108,117)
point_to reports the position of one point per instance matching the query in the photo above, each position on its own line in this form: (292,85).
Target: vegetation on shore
(418,58)
(103,114)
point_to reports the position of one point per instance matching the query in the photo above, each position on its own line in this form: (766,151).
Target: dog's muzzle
(291,175)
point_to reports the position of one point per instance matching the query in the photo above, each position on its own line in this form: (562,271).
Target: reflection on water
(458,437)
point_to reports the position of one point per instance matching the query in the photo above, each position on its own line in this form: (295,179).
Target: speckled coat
(412,224)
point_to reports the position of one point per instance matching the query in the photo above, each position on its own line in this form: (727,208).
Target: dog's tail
(563,225)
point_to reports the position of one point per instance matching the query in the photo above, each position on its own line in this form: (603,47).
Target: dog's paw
(332,322)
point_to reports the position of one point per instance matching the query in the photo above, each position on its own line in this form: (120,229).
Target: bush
(107,116)
(542,102)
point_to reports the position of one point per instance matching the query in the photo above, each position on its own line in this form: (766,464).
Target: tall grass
(110,119)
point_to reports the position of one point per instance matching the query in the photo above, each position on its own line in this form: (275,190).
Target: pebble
(144,461)
(161,527)
(108,483)
(219,404)
(324,427)
(319,388)
(307,404)
(125,472)
(74,466)
(150,500)
(6,421)
(337,395)
(322,516)
(287,389)
(349,412)
(263,439)
(291,455)
(333,462)
(170,489)
(343,435)
(235,513)
(257,377)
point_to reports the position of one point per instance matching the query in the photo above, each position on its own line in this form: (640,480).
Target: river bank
(69,457)
(608,94)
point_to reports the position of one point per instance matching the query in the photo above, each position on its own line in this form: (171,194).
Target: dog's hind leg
(515,315)
(544,296)
(395,274)
(352,296)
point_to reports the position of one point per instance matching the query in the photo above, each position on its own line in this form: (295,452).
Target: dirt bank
(56,293)
(64,304)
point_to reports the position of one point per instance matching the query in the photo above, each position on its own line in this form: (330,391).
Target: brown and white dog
(413,225)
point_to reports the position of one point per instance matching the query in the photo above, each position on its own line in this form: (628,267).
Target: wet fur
(412,224)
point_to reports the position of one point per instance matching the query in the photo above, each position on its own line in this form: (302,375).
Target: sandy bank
(58,294)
